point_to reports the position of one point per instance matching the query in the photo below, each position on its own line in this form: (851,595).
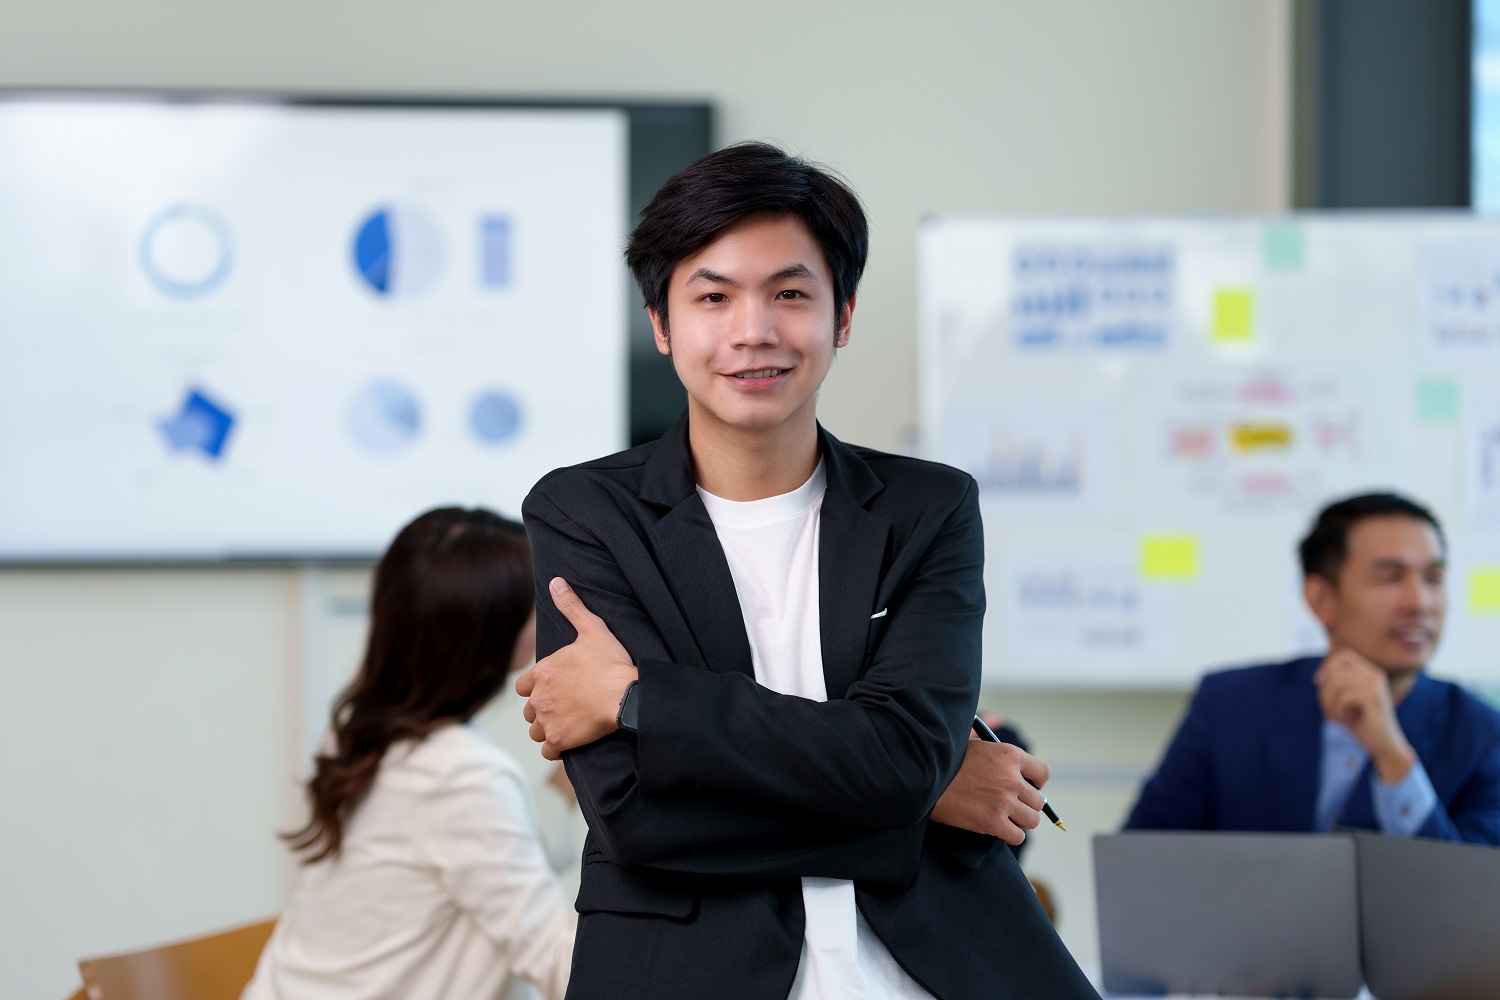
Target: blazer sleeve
(1179,795)
(1474,814)
(729,777)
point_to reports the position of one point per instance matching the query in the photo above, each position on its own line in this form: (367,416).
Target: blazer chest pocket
(607,888)
(876,631)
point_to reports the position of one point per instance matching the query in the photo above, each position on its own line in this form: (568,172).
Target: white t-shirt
(441,890)
(772,548)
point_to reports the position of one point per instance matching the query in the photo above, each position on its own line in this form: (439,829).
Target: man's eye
(715,297)
(789,293)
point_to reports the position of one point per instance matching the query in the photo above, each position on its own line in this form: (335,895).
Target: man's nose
(754,325)
(1419,594)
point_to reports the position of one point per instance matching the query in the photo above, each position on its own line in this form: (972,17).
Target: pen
(986,733)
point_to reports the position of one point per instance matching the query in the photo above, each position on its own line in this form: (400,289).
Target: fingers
(1033,769)
(1011,834)
(1012,829)
(551,752)
(1340,702)
(526,682)
(537,735)
(528,712)
(571,606)
(1031,799)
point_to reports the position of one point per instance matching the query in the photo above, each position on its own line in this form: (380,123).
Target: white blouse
(441,889)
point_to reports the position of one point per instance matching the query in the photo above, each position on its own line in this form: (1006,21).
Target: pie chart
(398,251)
(384,417)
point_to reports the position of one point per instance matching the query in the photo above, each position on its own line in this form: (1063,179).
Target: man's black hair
(1326,546)
(709,195)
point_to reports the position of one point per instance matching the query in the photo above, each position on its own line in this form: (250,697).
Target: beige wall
(150,717)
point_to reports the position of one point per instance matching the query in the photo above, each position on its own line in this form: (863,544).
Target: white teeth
(764,373)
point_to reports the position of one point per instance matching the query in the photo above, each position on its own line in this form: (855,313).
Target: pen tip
(1061,827)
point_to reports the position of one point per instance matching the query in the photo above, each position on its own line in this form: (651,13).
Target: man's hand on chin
(1356,693)
(573,696)
(991,794)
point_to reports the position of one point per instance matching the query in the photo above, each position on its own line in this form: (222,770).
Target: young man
(760,651)
(1361,737)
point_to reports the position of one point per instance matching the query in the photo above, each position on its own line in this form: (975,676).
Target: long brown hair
(452,595)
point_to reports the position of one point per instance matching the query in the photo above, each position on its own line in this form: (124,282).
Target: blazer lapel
(851,553)
(1294,749)
(691,556)
(699,576)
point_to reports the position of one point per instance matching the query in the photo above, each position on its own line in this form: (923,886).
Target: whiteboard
(238,329)
(1155,409)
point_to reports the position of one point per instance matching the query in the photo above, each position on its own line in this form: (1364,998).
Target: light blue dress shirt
(1399,809)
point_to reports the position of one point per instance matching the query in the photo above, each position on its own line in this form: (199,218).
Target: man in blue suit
(1362,737)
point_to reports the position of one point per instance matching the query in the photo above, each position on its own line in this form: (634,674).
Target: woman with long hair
(423,875)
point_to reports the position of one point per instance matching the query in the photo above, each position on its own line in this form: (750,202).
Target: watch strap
(629,716)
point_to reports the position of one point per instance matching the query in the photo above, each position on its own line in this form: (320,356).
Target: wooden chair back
(216,967)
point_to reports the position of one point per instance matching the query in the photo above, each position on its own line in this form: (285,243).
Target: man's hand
(1356,693)
(574,695)
(990,793)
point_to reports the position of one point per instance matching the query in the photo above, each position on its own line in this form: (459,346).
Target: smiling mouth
(762,373)
(1414,635)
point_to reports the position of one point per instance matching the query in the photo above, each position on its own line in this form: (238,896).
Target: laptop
(1251,914)
(1430,916)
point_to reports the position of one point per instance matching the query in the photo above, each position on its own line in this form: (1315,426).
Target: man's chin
(1405,661)
(751,419)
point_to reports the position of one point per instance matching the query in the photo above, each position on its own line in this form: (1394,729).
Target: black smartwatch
(628,717)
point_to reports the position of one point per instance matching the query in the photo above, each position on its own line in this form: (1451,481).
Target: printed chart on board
(1154,409)
(267,330)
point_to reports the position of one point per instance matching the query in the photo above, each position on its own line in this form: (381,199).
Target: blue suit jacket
(1247,757)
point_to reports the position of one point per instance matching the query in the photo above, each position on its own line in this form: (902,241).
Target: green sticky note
(1484,590)
(1170,558)
(1437,400)
(1233,316)
(1283,246)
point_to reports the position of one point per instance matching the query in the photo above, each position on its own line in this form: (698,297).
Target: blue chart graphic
(1088,297)
(200,425)
(186,251)
(398,251)
(385,417)
(495,416)
(495,251)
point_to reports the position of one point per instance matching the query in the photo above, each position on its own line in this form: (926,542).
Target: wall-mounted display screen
(1485,108)
(266,330)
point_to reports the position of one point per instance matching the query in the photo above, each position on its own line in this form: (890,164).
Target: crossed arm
(727,776)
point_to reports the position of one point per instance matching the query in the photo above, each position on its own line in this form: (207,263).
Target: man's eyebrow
(797,270)
(704,274)
(1395,562)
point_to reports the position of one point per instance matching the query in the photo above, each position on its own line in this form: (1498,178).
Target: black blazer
(702,824)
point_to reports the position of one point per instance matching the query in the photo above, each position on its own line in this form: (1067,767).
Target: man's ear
(845,324)
(659,331)
(1322,598)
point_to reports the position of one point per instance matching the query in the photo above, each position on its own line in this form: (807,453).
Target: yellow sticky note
(1484,590)
(1260,436)
(1234,316)
(1170,558)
